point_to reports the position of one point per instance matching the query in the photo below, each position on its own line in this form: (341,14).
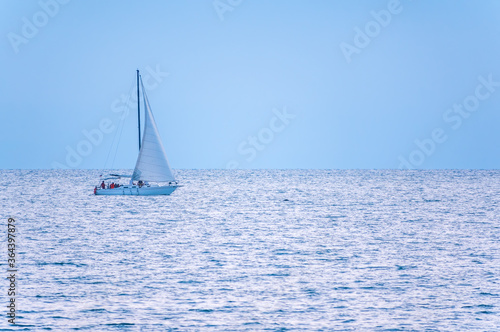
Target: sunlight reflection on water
(260,249)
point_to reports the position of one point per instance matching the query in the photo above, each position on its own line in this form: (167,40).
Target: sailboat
(152,173)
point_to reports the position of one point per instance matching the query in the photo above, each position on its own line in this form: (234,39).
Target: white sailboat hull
(138,191)
(152,171)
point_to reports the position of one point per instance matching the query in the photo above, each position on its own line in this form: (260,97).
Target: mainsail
(152,164)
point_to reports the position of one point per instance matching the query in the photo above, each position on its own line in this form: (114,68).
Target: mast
(138,110)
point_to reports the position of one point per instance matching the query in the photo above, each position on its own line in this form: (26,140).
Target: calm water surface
(301,250)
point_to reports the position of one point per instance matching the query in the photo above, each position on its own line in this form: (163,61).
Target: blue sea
(257,250)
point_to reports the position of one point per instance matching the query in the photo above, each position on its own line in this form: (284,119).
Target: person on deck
(103,186)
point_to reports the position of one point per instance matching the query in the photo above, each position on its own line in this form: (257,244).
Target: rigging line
(109,151)
(125,114)
(122,124)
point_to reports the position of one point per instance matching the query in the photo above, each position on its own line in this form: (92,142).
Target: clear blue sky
(253,84)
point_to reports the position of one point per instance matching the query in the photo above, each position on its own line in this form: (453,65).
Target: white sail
(152,164)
